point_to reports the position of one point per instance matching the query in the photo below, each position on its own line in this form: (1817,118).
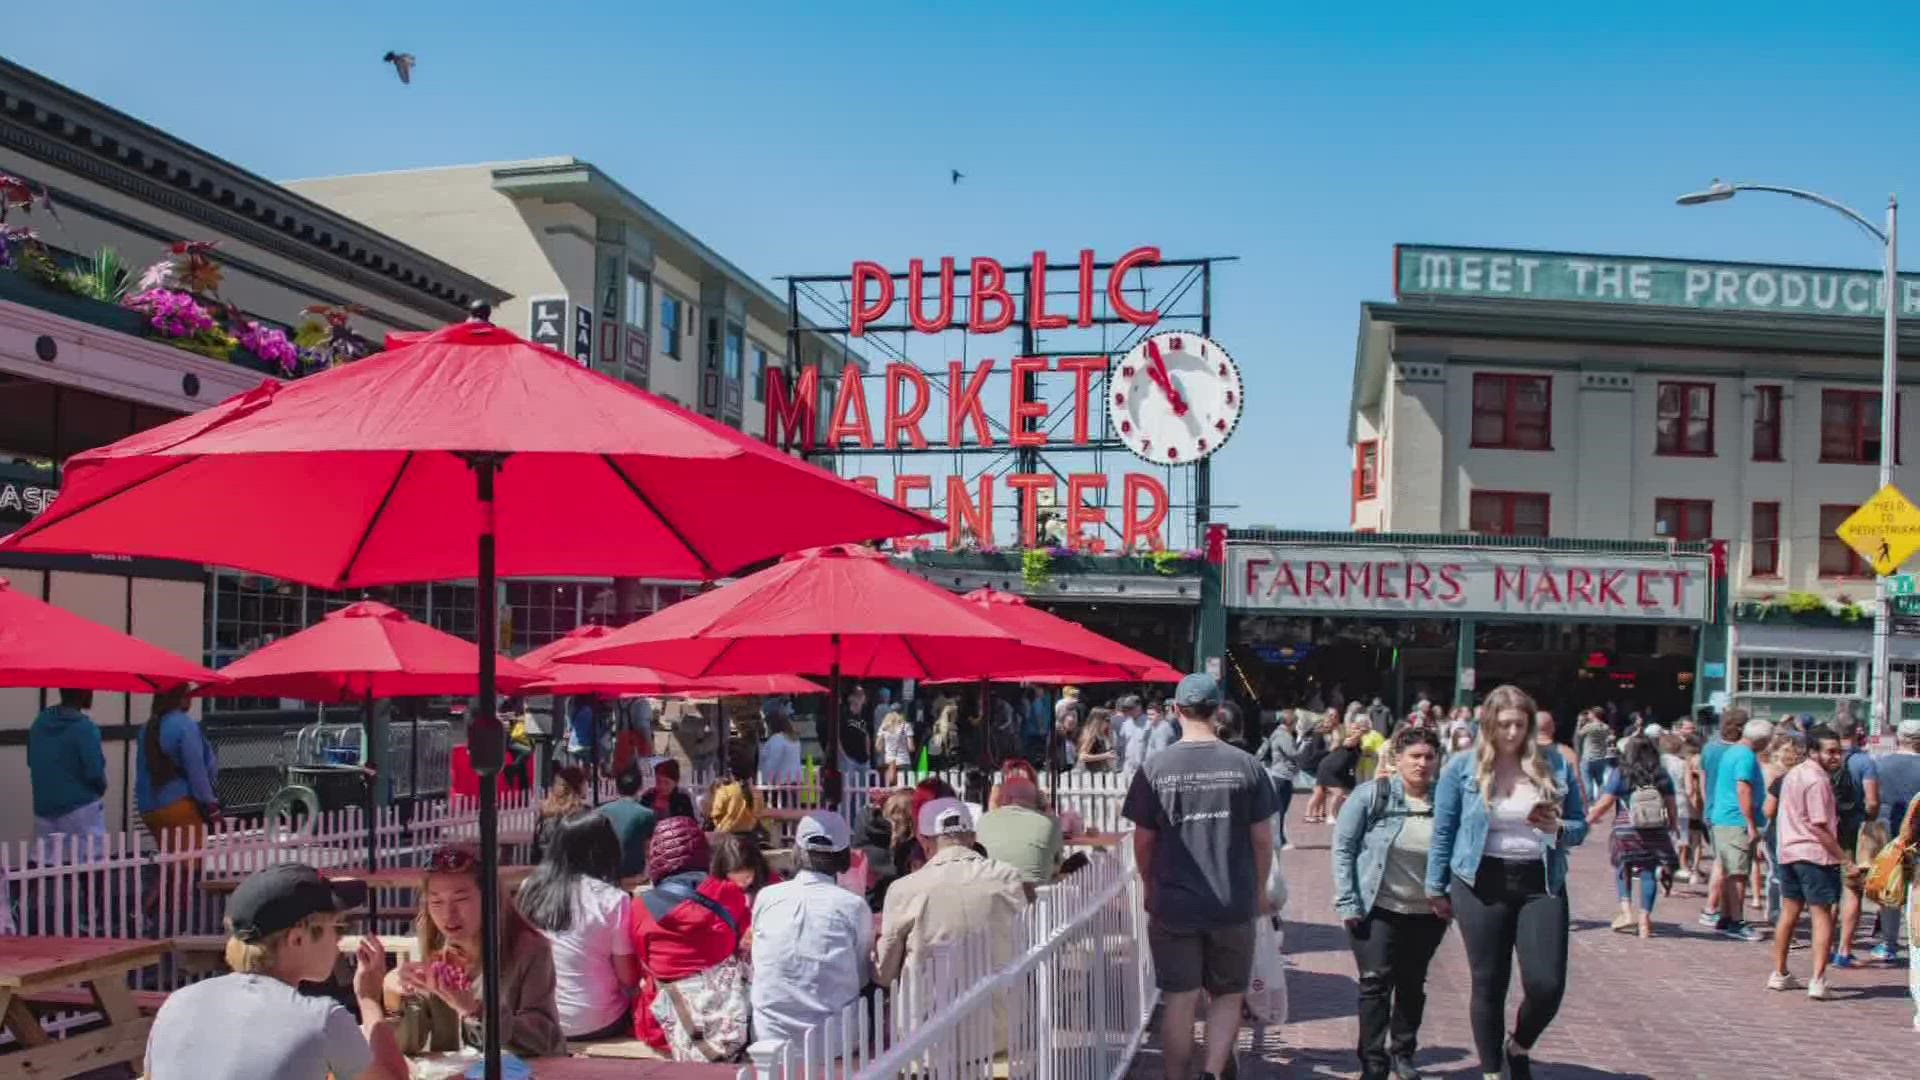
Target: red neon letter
(1078,514)
(964,404)
(916,272)
(853,398)
(989,282)
(1029,485)
(869,482)
(1037,316)
(908,421)
(905,484)
(1022,408)
(1086,289)
(965,516)
(862,312)
(800,414)
(1116,282)
(1084,369)
(1141,488)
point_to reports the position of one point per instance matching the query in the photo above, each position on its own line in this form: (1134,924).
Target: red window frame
(1517,430)
(1766,423)
(1855,439)
(1498,513)
(1837,560)
(1675,417)
(1366,470)
(1692,519)
(1764,541)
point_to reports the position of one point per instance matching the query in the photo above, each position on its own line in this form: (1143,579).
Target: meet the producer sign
(1463,581)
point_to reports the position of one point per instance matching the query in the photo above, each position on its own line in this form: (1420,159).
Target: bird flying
(958,176)
(402,63)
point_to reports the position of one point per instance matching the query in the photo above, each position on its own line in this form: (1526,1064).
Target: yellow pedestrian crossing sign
(1885,530)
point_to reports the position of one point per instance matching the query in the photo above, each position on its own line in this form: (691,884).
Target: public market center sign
(1376,579)
(1494,274)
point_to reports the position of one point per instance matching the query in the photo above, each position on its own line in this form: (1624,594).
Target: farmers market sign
(1491,273)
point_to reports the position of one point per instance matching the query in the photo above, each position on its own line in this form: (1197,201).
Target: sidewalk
(1683,1006)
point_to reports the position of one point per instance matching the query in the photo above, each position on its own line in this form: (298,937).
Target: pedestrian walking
(1198,807)
(1856,790)
(1596,742)
(1277,753)
(1504,817)
(1380,849)
(1736,813)
(1899,786)
(1317,745)
(1638,798)
(69,775)
(1810,859)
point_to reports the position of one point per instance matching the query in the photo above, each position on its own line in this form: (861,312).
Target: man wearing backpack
(1856,789)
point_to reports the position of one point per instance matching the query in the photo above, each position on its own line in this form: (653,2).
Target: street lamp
(1720,191)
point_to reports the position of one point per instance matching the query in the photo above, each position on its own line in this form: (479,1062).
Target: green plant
(107,280)
(1804,603)
(1036,568)
(214,344)
(1166,562)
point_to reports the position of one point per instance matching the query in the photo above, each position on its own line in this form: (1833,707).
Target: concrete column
(1463,662)
(1210,637)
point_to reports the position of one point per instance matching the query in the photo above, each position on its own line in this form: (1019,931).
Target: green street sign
(1903,585)
(1906,605)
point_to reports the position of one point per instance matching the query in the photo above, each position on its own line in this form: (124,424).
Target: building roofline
(1476,249)
(55,124)
(1546,320)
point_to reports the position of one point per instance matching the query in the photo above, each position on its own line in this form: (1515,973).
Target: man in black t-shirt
(1199,808)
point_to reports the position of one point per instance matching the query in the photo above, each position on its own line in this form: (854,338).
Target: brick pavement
(1619,1019)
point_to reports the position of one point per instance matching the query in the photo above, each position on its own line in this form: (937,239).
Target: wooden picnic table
(590,1068)
(392,877)
(102,966)
(1106,841)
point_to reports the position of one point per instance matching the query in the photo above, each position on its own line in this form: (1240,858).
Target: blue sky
(1306,145)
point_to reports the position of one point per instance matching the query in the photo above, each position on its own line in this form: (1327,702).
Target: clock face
(1175,398)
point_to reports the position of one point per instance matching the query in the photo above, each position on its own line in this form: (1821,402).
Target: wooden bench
(79,999)
(620,1049)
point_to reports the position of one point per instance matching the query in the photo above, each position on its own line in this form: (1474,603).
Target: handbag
(1891,875)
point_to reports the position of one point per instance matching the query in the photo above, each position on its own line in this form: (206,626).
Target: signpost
(1885,530)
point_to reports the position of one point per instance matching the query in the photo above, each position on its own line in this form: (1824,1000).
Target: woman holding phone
(1504,816)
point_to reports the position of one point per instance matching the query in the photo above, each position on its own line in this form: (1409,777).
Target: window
(639,300)
(759,373)
(1511,412)
(1910,672)
(672,317)
(540,612)
(1836,558)
(1766,423)
(1683,519)
(1507,513)
(1684,424)
(1850,427)
(1764,544)
(1366,469)
(1787,675)
(736,354)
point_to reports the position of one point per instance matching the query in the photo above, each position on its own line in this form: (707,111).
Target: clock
(1175,399)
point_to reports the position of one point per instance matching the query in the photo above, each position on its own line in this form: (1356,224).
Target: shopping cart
(328,768)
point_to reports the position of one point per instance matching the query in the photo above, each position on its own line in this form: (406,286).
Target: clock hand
(1157,371)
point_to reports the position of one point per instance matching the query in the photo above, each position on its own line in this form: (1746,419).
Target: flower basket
(20,289)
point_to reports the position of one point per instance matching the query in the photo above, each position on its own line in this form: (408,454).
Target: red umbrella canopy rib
(539,659)
(1012,613)
(366,649)
(361,476)
(45,646)
(785,619)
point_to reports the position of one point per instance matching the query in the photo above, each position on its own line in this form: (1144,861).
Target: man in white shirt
(780,761)
(812,939)
(1130,733)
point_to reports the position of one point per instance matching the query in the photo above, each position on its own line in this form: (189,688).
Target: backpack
(1891,875)
(1647,808)
(705,1015)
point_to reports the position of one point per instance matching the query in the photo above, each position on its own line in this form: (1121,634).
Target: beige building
(1542,394)
(596,272)
(78,372)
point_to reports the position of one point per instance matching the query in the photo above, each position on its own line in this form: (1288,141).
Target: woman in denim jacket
(1379,874)
(1505,814)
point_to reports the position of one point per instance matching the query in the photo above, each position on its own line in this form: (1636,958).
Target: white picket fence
(1064,995)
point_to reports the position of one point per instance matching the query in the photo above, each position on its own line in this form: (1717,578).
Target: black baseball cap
(279,897)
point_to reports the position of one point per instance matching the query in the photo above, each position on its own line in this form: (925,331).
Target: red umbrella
(546,654)
(759,685)
(834,610)
(1012,612)
(619,680)
(466,453)
(45,646)
(364,651)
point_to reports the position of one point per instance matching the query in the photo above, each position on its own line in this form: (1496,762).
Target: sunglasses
(453,859)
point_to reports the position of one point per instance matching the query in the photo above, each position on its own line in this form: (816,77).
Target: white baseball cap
(822,830)
(945,817)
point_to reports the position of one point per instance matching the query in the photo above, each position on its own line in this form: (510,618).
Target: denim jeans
(1283,797)
(1596,774)
(1649,886)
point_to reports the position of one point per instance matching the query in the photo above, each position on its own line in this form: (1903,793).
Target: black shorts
(1810,883)
(1218,960)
